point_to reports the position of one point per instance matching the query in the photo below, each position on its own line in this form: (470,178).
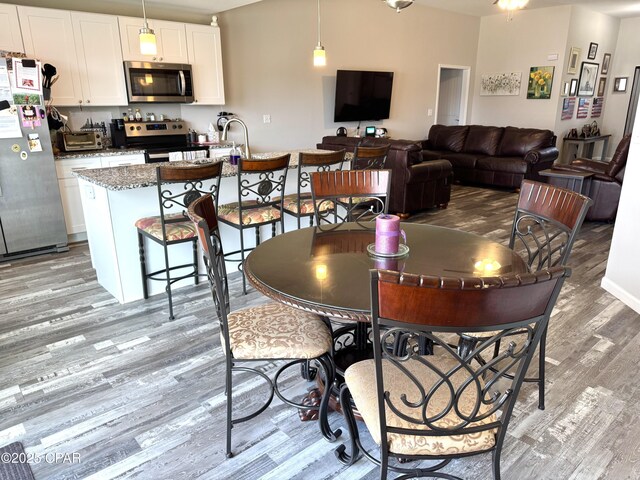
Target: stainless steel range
(159,139)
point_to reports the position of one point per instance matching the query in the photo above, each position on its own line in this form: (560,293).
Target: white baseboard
(621,294)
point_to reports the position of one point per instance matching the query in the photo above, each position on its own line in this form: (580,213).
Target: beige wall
(267,55)
(587,26)
(516,46)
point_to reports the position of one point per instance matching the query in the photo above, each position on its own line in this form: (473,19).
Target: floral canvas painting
(540,82)
(501,83)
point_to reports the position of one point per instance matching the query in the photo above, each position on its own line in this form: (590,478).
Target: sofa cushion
(462,160)
(433,154)
(619,159)
(502,164)
(518,141)
(445,137)
(484,140)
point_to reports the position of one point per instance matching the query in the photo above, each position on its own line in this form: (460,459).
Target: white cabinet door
(48,36)
(10,36)
(170,39)
(97,41)
(205,57)
(70,193)
(121,160)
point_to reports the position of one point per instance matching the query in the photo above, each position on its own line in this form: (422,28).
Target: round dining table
(325,269)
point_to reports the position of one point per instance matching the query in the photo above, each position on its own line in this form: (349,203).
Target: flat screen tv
(362,95)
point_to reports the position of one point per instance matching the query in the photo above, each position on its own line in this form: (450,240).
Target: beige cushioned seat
(361,379)
(275,330)
(251,213)
(306,204)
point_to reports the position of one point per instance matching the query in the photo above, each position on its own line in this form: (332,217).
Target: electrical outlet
(266,118)
(429,112)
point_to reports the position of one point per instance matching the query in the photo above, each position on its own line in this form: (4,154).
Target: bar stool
(370,158)
(173,226)
(261,186)
(301,204)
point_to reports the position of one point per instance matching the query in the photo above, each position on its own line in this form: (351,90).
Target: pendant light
(398,4)
(319,54)
(147,37)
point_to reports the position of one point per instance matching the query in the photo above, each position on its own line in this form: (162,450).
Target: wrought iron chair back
(309,162)
(358,192)
(443,406)
(177,188)
(203,214)
(546,223)
(367,158)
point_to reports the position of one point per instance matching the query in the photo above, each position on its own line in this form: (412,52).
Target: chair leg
(228,388)
(340,452)
(495,464)
(329,371)
(143,266)
(168,287)
(195,262)
(241,266)
(541,366)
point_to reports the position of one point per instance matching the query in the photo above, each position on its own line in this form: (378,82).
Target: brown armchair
(606,182)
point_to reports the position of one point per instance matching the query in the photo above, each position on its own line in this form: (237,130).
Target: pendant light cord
(319,42)
(144,14)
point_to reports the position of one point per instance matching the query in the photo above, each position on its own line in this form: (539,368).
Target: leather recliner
(606,183)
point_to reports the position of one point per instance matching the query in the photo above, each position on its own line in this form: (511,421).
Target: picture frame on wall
(588,79)
(565,89)
(606,61)
(593,50)
(620,84)
(602,84)
(574,58)
(573,88)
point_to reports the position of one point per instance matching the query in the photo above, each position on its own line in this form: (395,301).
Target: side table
(579,182)
(584,147)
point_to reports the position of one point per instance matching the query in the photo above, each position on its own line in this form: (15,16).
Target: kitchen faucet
(247,151)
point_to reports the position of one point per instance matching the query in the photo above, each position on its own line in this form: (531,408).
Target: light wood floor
(137,396)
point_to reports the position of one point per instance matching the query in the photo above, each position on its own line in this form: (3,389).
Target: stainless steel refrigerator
(31,215)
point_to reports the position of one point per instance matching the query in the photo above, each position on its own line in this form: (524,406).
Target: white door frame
(466,83)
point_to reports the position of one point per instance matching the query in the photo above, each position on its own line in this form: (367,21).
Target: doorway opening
(452,95)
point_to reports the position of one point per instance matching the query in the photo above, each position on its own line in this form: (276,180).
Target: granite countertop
(105,152)
(144,175)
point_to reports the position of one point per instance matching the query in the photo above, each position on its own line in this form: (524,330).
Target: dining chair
(545,226)
(443,406)
(300,204)
(366,158)
(263,333)
(261,185)
(358,192)
(177,188)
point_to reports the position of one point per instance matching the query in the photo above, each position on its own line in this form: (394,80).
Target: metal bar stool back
(261,185)
(365,158)
(301,204)
(177,188)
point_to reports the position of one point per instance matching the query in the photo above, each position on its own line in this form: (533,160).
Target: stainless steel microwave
(149,82)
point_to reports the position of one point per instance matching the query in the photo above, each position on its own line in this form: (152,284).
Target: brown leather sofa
(415,184)
(499,156)
(606,183)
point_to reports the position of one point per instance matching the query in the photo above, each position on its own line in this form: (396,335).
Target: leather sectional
(415,184)
(497,156)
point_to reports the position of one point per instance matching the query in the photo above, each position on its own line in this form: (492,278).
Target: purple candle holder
(388,234)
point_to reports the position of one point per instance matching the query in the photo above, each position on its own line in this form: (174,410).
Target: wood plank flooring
(137,396)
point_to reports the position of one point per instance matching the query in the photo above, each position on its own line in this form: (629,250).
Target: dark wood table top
(326,269)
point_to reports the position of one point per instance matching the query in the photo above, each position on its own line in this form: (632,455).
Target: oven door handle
(183,82)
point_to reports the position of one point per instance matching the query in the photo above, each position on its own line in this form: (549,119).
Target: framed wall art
(565,89)
(501,83)
(620,84)
(606,61)
(573,88)
(540,83)
(601,86)
(588,79)
(593,49)
(574,58)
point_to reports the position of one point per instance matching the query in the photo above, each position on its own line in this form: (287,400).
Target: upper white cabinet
(48,36)
(205,57)
(84,48)
(99,55)
(170,38)
(10,36)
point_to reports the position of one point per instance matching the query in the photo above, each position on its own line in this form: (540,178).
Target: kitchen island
(114,198)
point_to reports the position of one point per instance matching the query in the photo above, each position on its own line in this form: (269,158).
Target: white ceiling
(618,8)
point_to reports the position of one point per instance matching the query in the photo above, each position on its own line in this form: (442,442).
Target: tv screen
(362,95)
